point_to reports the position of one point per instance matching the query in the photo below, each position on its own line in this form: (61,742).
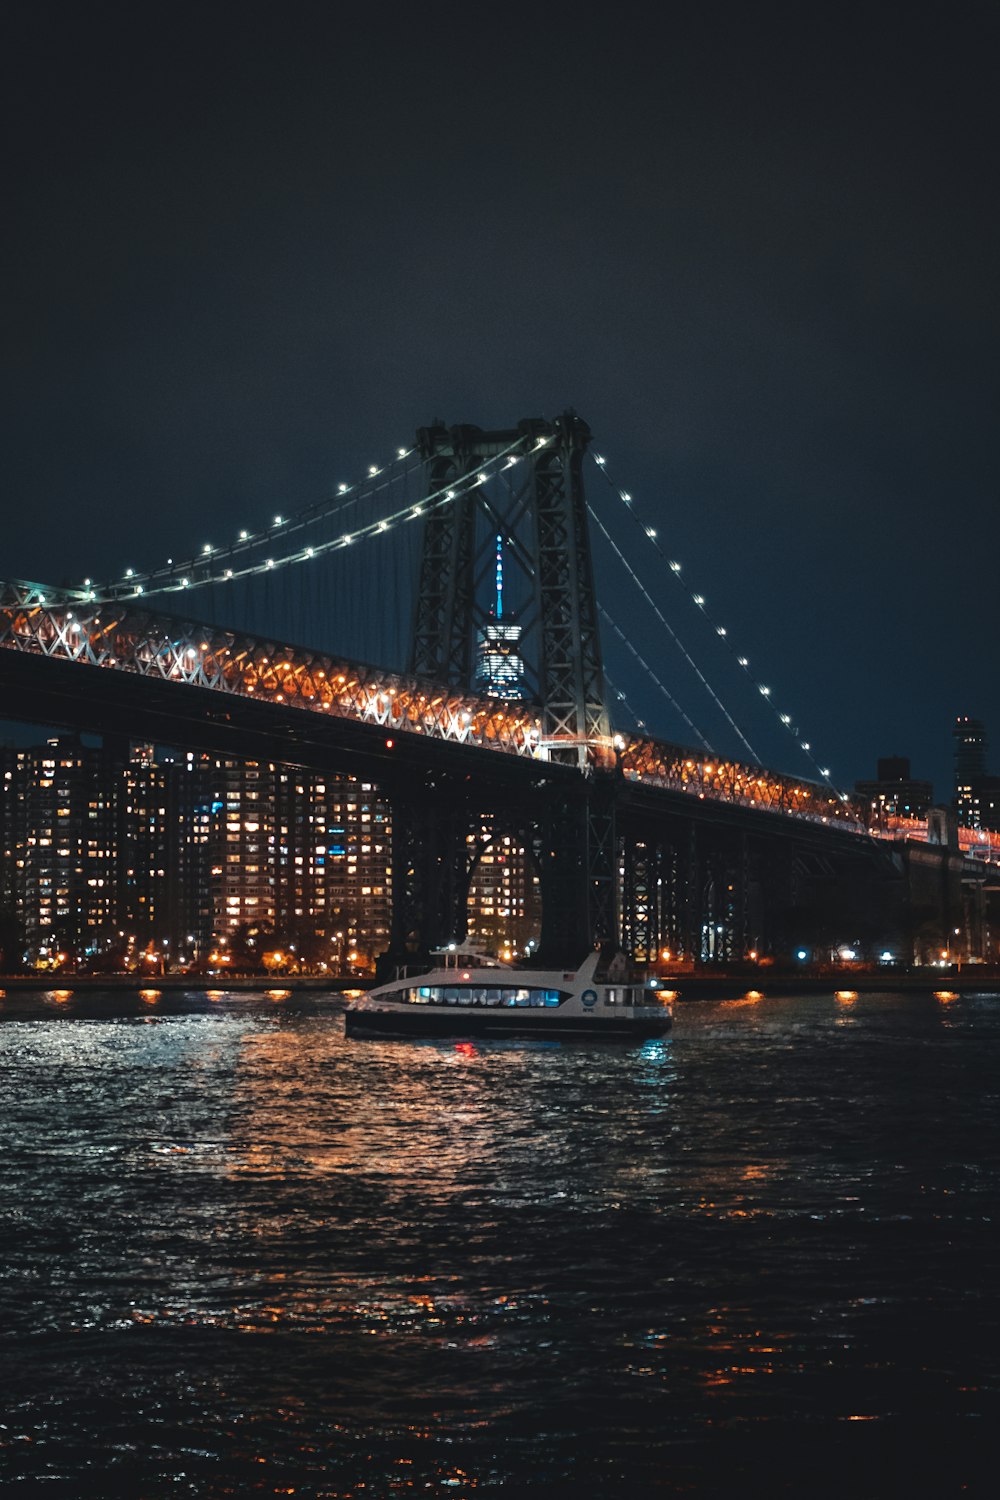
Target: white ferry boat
(470,995)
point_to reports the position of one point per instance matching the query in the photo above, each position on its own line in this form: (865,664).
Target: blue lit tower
(499,668)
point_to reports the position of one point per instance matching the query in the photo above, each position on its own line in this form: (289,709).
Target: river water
(240,1255)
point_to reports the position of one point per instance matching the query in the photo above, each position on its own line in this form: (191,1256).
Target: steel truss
(184,651)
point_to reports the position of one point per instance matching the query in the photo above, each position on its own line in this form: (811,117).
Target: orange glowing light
(945,995)
(150,996)
(847,996)
(62,994)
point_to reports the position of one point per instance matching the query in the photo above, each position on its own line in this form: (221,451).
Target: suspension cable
(673,634)
(662,687)
(784,719)
(134,587)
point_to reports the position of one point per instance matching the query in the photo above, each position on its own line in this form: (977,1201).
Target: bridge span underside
(618,860)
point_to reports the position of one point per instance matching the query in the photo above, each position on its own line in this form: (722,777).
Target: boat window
(478,994)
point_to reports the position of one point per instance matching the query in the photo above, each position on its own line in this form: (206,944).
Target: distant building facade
(504,904)
(895,792)
(977,793)
(119,851)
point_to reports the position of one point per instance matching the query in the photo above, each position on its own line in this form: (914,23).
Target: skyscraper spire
(499,667)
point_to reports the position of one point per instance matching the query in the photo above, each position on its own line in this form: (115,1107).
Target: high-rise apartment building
(505,904)
(61,828)
(163,830)
(115,851)
(304,856)
(977,793)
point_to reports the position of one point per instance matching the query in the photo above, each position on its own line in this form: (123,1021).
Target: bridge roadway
(700,844)
(119,669)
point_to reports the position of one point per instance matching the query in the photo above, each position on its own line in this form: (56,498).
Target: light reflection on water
(241,1254)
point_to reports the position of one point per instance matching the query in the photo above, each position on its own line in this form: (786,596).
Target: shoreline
(783,986)
(684,986)
(181,982)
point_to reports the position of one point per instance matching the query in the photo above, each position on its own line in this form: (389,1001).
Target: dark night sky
(248,249)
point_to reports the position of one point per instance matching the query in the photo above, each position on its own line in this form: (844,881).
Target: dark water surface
(240,1255)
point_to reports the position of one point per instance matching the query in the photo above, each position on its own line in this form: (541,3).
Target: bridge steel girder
(571,669)
(442,638)
(712,887)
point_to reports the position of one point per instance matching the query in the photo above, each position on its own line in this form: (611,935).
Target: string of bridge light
(661,685)
(139,585)
(784,719)
(247,541)
(673,635)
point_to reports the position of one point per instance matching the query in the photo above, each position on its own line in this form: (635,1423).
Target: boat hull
(499,1025)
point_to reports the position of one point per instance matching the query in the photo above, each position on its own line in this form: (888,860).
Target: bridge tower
(544,518)
(540,512)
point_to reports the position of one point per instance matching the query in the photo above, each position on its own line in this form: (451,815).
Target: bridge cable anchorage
(785,720)
(654,678)
(177,580)
(673,634)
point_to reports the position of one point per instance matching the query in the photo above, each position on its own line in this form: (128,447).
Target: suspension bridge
(461,666)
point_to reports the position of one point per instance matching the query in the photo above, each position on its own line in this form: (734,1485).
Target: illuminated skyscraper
(970,768)
(499,665)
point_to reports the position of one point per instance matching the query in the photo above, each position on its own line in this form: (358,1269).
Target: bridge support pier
(575,846)
(430,871)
